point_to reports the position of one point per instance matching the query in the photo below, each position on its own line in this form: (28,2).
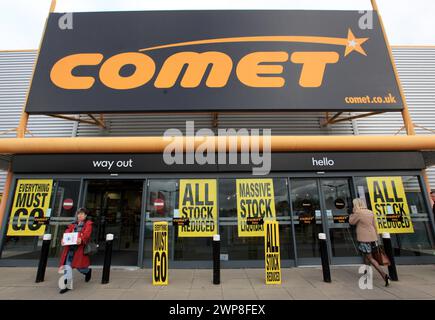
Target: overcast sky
(407,22)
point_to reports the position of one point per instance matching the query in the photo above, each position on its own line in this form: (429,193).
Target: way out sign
(31,202)
(255,199)
(160,253)
(272,253)
(389,204)
(198,203)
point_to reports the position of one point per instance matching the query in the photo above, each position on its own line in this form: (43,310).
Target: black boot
(88,275)
(63,290)
(387,278)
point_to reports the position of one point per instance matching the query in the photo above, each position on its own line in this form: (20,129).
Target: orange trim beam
(426,181)
(158,144)
(354,117)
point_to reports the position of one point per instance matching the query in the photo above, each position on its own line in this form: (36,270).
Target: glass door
(115,207)
(323,206)
(162,205)
(306,218)
(337,203)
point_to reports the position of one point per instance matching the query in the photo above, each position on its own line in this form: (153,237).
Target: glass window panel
(419,243)
(30,247)
(307,217)
(234,247)
(180,248)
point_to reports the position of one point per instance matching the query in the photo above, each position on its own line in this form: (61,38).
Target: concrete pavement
(416,282)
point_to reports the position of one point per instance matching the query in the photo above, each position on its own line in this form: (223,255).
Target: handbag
(90,248)
(379,255)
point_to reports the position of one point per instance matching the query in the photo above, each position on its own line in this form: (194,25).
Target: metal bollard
(216,259)
(324,257)
(388,246)
(107,259)
(43,258)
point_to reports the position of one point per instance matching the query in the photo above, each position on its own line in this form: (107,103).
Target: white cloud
(22,23)
(112,5)
(406,21)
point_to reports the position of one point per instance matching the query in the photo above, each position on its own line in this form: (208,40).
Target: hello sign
(213,61)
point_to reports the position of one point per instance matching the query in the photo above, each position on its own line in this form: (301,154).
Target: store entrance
(323,206)
(115,207)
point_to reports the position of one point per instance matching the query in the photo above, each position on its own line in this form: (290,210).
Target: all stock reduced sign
(29,210)
(198,205)
(272,253)
(390,205)
(213,61)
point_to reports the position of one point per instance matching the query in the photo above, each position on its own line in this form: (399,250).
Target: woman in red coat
(73,255)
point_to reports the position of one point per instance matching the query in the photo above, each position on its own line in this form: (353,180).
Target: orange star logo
(354,44)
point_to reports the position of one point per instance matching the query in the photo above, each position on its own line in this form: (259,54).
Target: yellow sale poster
(29,210)
(389,204)
(160,253)
(255,199)
(272,253)
(198,204)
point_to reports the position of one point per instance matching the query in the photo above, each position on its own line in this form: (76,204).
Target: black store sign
(154,163)
(213,61)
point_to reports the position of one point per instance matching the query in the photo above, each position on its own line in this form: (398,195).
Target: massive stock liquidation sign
(213,61)
(255,199)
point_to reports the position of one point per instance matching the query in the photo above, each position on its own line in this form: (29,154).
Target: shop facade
(309,199)
(100,85)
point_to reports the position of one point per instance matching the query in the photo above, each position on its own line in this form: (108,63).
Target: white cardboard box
(70,238)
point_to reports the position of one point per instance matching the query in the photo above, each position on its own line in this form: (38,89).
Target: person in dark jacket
(367,235)
(73,255)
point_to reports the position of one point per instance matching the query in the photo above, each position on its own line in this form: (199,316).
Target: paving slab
(138,294)
(239,294)
(206,294)
(273,293)
(306,294)
(416,282)
(172,294)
